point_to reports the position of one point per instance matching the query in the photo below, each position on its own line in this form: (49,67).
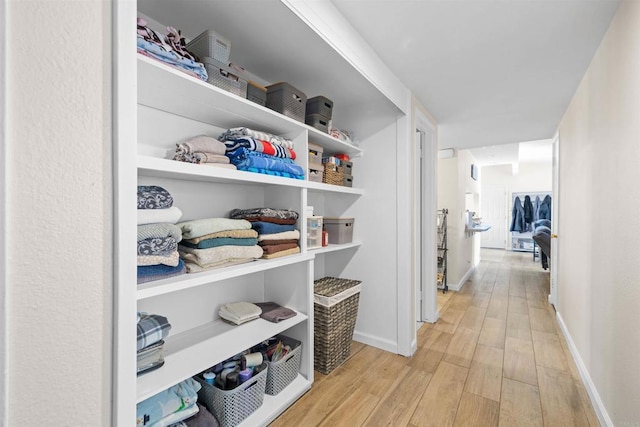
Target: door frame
(4,202)
(553,285)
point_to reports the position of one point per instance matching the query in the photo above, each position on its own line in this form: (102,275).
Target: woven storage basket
(231,407)
(333,174)
(335,310)
(283,372)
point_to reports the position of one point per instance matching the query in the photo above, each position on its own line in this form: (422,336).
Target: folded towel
(295,234)
(152,328)
(159,272)
(151,216)
(171,260)
(244,158)
(272,249)
(276,242)
(200,227)
(263,212)
(238,132)
(259,146)
(221,241)
(203,257)
(161,246)
(195,268)
(179,400)
(159,230)
(269,228)
(202,144)
(283,253)
(239,312)
(153,197)
(203,418)
(274,312)
(236,234)
(201,158)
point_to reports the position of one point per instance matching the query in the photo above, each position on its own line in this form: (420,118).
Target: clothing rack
(442,250)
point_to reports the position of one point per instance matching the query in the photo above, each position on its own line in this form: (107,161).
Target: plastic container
(340,229)
(347,167)
(320,105)
(256,93)
(316,172)
(314,232)
(317,121)
(315,153)
(348,181)
(284,371)
(210,44)
(286,99)
(221,76)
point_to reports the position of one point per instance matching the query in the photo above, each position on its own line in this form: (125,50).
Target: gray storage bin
(283,372)
(320,105)
(221,76)
(317,121)
(340,229)
(347,167)
(256,93)
(286,99)
(210,44)
(348,181)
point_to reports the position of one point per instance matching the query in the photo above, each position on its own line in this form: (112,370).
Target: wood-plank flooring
(495,358)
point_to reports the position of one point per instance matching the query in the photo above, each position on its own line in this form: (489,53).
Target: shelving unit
(442,249)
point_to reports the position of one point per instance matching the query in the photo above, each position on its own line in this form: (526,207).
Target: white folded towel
(239,312)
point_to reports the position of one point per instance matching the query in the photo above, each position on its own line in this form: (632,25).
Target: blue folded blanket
(270,228)
(221,241)
(270,172)
(150,273)
(244,158)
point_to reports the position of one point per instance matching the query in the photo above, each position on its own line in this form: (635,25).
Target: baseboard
(598,406)
(458,286)
(374,341)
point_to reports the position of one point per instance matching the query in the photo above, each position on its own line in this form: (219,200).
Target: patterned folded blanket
(161,246)
(153,197)
(236,234)
(151,329)
(159,230)
(272,249)
(269,228)
(263,212)
(200,227)
(159,272)
(295,234)
(259,146)
(171,260)
(282,253)
(220,241)
(204,257)
(244,159)
(201,144)
(151,216)
(239,132)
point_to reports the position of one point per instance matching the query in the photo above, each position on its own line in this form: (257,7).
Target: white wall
(59,213)
(599,253)
(531,176)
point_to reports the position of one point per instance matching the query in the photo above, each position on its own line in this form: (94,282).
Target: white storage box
(340,230)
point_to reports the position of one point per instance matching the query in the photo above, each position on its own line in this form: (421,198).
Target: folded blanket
(171,260)
(243,158)
(204,257)
(282,253)
(201,144)
(159,230)
(263,212)
(161,246)
(163,407)
(267,242)
(239,312)
(259,146)
(269,228)
(195,268)
(151,329)
(200,227)
(200,158)
(272,249)
(153,197)
(269,172)
(239,132)
(169,57)
(221,241)
(238,234)
(295,234)
(203,418)
(274,312)
(159,272)
(151,216)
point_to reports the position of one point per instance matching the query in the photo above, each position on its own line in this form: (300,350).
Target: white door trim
(4,202)
(553,261)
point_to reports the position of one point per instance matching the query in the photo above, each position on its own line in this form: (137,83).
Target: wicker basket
(335,310)
(283,372)
(231,407)
(333,174)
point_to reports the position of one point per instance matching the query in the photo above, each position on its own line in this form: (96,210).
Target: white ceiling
(523,152)
(490,71)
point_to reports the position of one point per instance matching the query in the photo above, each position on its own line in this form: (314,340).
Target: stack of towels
(170,406)
(276,228)
(261,152)
(152,330)
(170,49)
(203,150)
(217,242)
(158,236)
(239,312)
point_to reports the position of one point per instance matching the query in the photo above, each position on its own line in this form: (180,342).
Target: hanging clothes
(517,217)
(528,212)
(536,208)
(545,208)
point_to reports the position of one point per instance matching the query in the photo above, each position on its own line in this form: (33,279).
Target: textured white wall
(59,213)
(599,250)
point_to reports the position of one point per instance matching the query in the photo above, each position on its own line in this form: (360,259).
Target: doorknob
(554,236)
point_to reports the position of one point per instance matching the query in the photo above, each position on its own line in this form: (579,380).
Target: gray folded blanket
(274,312)
(153,197)
(159,230)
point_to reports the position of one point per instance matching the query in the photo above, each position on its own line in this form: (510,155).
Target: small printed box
(340,230)
(315,153)
(316,172)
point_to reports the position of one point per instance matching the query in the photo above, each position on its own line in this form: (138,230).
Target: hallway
(495,357)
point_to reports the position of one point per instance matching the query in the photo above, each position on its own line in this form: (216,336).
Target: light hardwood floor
(496,357)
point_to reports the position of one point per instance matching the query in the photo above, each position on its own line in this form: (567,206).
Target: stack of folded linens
(152,330)
(203,150)
(276,228)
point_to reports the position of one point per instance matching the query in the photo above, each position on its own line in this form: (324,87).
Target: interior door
(494,213)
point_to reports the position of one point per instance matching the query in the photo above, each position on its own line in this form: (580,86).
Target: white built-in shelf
(332,145)
(185,281)
(322,187)
(195,350)
(333,247)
